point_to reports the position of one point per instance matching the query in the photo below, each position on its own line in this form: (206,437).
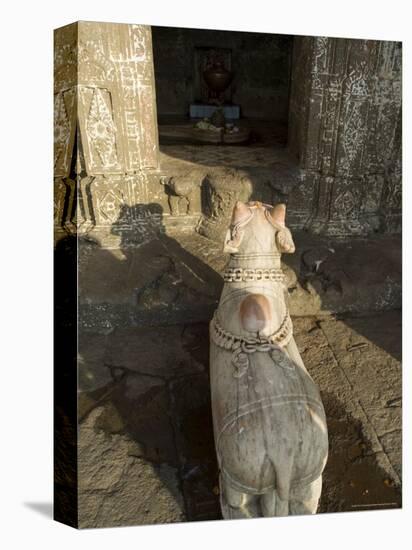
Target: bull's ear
(278,214)
(240,211)
(285,241)
(229,246)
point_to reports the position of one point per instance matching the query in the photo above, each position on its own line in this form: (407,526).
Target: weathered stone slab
(101,459)
(363,470)
(160,264)
(192,419)
(141,440)
(118,489)
(392,444)
(351,276)
(93,373)
(374,375)
(142,404)
(155,351)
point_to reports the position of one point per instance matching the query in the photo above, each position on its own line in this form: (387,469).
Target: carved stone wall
(106,142)
(345,132)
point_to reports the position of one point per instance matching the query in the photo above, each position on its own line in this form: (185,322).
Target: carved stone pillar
(106,140)
(344,113)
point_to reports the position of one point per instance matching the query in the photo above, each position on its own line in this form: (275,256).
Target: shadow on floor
(156,388)
(43,508)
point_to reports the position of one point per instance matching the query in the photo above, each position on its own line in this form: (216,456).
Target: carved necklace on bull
(242,346)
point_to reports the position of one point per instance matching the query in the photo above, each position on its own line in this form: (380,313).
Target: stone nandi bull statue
(269,422)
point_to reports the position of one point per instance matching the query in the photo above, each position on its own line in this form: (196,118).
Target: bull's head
(275,216)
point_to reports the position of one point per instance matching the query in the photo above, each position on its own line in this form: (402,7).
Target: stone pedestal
(201,110)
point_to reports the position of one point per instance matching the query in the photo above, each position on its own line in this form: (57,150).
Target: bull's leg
(174,204)
(271,505)
(189,204)
(235,504)
(305,499)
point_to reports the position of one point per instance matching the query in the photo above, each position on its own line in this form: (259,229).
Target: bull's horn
(278,213)
(240,211)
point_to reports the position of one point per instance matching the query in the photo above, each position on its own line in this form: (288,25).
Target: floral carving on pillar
(101,130)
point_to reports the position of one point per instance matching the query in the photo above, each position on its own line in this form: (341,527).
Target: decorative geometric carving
(321,45)
(117,108)
(69,222)
(94,64)
(393,193)
(110,206)
(101,130)
(141,46)
(148,143)
(345,204)
(98,131)
(353,132)
(64,131)
(108,196)
(85,218)
(59,202)
(343,126)
(104,88)
(65,57)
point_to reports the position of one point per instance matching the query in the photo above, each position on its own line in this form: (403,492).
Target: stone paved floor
(229,156)
(266,147)
(146,452)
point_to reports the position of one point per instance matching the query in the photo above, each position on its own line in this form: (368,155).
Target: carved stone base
(181,224)
(343,207)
